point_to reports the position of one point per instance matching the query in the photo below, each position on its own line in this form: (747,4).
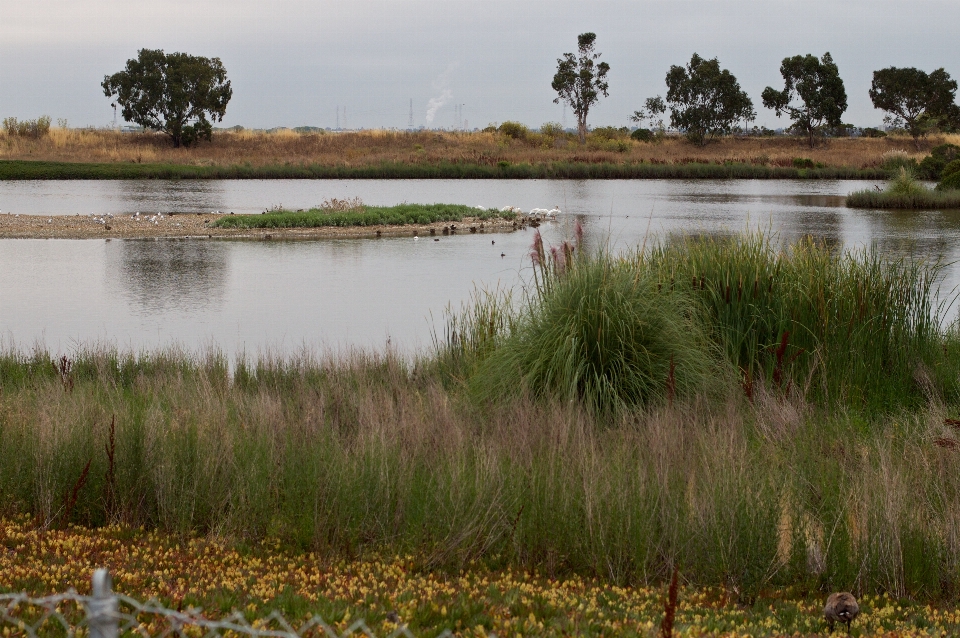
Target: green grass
(23,170)
(551,431)
(905,192)
(399,215)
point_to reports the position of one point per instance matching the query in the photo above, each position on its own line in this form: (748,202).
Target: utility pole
(338,117)
(410,121)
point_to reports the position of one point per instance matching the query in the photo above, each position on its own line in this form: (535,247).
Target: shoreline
(25,170)
(199,226)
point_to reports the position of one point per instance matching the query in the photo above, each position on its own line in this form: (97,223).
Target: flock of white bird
(534,213)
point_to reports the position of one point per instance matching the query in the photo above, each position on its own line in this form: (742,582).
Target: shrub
(932,166)
(514,130)
(642,135)
(950,176)
(27,128)
(897,159)
(551,129)
(872,132)
(803,162)
(610,132)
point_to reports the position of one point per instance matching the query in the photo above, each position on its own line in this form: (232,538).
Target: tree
(914,100)
(579,81)
(817,84)
(167,92)
(705,101)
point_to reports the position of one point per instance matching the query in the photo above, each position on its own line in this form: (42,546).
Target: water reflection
(250,295)
(184,276)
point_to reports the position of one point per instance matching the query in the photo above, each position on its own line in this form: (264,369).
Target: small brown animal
(841,607)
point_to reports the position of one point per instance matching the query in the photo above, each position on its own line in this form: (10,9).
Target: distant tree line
(182,94)
(705,101)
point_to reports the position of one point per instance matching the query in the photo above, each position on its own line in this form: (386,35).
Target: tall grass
(851,328)
(246,151)
(842,328)
(905,192)
(599,332)
(367,453)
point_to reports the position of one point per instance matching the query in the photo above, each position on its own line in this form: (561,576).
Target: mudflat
(201,225)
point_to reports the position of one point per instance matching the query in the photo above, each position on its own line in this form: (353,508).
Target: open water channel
(245,296)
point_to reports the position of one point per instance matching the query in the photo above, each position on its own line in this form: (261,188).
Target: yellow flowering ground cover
(220,578)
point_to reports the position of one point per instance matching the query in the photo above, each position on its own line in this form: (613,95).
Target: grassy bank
(434,148)
(23,170)
(258,579)
(928,200)
(399,215)
(905,192)
(763,417)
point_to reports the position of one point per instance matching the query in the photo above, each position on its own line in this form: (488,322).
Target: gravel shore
(199,225)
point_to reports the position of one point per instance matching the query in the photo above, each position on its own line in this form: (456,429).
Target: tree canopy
(914,100)
(705,101)
(817,86)
(580,81)
(171,92)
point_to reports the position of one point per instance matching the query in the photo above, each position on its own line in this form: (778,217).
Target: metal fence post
(103,611)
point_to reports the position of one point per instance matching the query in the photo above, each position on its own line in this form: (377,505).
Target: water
(253,296)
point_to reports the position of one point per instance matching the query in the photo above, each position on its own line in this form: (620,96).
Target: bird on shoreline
(841,607)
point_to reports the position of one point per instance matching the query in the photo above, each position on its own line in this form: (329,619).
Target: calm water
(250,296)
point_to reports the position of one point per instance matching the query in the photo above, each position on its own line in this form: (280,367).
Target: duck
(841,607)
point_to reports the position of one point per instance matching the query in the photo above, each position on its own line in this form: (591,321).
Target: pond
(252,296)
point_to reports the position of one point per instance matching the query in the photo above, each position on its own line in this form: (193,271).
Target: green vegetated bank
(399,215)
(905,192)
(22,170)
(759,415)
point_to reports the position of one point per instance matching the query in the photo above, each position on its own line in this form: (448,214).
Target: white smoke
(440,85)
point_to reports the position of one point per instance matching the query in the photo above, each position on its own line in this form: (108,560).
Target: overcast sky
(296,62)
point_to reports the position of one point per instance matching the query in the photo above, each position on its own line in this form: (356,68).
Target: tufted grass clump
(602,334)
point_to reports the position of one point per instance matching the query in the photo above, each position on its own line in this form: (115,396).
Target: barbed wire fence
(106,614)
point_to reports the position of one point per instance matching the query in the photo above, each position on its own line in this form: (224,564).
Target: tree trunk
(582,126)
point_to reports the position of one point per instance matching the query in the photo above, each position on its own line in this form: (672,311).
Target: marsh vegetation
(607,152)
(761,414)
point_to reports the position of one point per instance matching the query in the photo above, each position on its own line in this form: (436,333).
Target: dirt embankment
(201,225)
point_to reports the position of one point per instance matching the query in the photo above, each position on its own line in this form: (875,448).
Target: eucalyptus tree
(813,95)
(705,101)
(580,80)
(915,100)
(172,92)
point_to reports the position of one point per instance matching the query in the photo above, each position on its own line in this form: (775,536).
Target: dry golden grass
(431,147)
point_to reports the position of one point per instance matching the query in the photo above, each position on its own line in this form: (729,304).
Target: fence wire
(105,614)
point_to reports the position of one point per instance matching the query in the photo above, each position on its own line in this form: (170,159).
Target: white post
(103,610)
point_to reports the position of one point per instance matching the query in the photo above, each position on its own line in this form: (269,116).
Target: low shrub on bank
(400,215)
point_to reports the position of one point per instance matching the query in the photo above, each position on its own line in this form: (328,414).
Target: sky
(361,62)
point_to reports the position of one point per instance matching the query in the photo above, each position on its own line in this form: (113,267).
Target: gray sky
(294,62)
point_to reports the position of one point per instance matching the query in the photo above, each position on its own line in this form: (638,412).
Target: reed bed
(248,150)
